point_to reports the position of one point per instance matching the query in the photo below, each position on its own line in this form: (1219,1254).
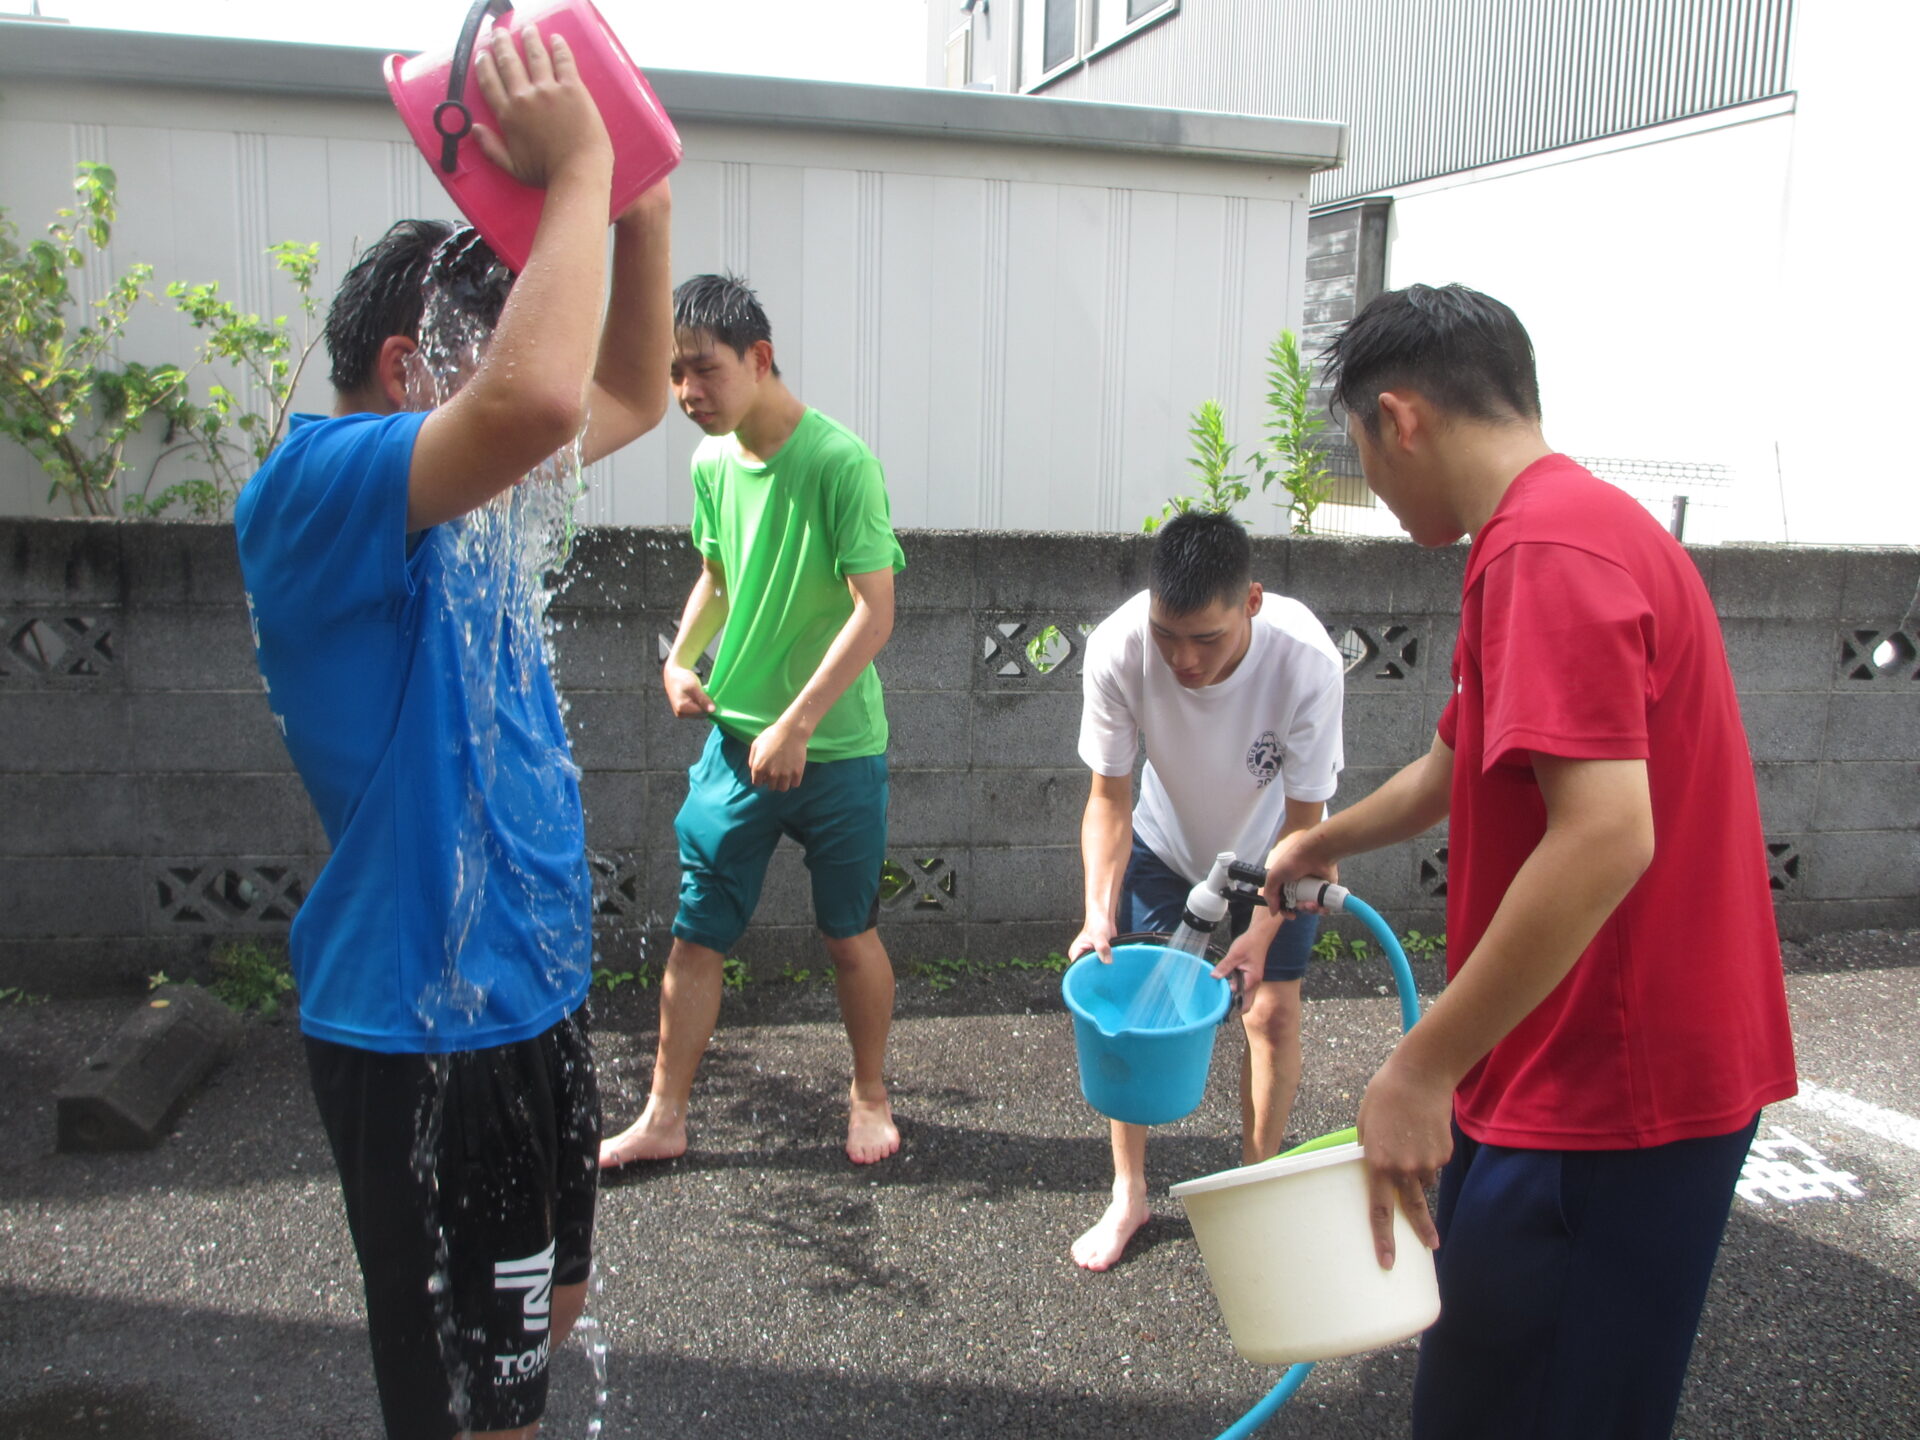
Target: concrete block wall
(147,806)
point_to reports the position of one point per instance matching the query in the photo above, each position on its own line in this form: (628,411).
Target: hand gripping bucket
(1289,1250)
(440,102)
(1143,1077)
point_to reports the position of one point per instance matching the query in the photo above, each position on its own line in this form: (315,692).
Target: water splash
(593,1339)
(500,566)
(1165,996)
(426,1174)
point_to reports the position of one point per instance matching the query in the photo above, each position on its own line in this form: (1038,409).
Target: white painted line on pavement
(1861,1114)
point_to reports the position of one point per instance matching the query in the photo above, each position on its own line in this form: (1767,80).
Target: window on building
(1059,35)
(960,57)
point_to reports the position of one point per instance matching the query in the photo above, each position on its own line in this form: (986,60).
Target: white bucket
(1290,1252)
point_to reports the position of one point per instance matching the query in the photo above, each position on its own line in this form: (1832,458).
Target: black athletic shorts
(470,1182)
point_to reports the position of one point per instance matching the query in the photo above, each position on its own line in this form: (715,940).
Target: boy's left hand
(778,756)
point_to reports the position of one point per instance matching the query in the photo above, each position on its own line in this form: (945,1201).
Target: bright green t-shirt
(786,534)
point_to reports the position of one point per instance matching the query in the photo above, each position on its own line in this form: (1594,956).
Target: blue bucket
(1142,1077)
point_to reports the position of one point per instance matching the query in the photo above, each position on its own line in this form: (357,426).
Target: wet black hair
(725,308)
(1200,557)
(384,294)
(1466,352)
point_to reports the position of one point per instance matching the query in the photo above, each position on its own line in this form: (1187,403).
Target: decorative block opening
(79,645)
(1783,865)
(920,884)
(1432,873)
(619,887)
(1024,648)
(1385,652)
(1869,654)
(226,896)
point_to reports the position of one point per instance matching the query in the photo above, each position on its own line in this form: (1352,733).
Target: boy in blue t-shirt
(444,953)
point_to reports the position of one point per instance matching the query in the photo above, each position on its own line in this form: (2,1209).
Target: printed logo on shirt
(1263,758)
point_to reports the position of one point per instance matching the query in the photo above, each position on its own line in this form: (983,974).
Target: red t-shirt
(1586,633)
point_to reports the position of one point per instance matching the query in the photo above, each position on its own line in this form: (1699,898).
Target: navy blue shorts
(1153,897)
(1571,1284)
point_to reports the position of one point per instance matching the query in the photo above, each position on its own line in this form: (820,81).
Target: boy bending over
(1239,696)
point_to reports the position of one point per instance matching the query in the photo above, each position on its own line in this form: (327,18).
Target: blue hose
(1296,1375)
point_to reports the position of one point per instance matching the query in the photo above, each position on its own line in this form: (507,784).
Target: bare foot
(1107,1241)
(659,1134)
(871,1134)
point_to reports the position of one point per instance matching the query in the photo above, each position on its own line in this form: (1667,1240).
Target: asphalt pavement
(762,1285)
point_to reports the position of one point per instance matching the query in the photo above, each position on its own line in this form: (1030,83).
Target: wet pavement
(764,1285)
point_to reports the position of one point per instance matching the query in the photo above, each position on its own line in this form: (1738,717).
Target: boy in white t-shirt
(1239,696)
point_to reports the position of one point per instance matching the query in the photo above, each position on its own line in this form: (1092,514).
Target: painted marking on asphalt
(1861,1114)
(1767,1175)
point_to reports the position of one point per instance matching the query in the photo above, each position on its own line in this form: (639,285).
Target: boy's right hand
(1095,935)
(685,692)
(548,120)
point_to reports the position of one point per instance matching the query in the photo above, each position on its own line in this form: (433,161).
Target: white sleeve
(1109,736)
(1314,751)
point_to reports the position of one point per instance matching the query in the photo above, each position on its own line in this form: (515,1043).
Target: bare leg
(863,980)
(1270,1073)
(689,1008)
(1104,1244)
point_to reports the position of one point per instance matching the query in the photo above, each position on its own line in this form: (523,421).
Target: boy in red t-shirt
(1615,1014)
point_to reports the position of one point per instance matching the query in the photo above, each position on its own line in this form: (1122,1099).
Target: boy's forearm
(547,333)
(636,340)
(861,638)
(1105,831)
(1415,799)
(705,613)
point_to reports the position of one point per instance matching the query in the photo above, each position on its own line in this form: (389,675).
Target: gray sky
(878,42)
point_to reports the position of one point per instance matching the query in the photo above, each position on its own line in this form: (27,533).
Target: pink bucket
(438,98)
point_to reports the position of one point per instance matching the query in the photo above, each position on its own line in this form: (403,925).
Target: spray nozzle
(1248,880)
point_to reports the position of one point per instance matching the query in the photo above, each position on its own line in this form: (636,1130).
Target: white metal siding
(1019,331)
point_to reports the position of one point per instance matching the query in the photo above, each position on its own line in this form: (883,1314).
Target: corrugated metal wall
(1430,89)
(1018,331)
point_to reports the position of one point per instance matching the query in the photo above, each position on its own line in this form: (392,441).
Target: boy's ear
(762,352)
(1401,420)
(1255,596)
(390,369)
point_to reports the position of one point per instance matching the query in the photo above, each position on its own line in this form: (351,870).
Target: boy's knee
(1273,1017)
(855,951)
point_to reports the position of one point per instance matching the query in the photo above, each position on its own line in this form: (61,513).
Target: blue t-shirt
(409,680)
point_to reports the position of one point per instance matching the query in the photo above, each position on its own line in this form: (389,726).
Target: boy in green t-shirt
(798,557)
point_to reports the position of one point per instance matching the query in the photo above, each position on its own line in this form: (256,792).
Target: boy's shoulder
(1303,640)
(832,444)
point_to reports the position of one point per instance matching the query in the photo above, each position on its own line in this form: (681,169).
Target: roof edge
(72,52)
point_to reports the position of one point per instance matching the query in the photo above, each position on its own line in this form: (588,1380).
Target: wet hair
(1466,352)
(384,294)
(725,308)
(1200,557)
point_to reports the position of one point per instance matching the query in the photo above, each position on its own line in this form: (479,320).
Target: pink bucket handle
(457,83)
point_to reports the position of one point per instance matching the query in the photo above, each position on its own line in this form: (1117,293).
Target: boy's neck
(1482,462)
(771,422)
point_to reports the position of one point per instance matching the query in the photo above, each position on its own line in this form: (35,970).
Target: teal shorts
(728,827)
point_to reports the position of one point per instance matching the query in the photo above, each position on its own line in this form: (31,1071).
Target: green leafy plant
(1047,649)
(63,395)
(1221,486)
(19,995)
(157,979)
(1293,423)
(1055,963)
(609,981)
(1416,943)
(223,441)
(733,973)
(250,976)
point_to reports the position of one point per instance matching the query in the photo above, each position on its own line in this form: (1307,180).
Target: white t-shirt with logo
(1223,760)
